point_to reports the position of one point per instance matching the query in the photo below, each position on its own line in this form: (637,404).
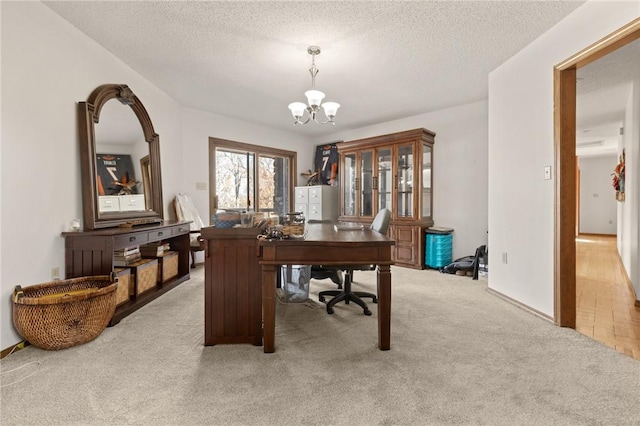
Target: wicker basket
(293,225)
(64,313)
(295,230)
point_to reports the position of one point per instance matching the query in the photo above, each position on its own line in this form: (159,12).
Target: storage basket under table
(145,273)
(167,266)
(64,313)
(125,285)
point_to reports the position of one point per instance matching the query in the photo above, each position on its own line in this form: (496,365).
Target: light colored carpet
(459,355)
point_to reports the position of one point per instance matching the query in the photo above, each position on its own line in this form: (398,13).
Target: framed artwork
(326,164)
(115,174)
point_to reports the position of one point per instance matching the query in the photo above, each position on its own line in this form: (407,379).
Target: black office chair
(320,272)
(380,224)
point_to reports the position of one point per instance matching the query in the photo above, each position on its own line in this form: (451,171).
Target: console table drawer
(179,230)
(131,239)
(159,235)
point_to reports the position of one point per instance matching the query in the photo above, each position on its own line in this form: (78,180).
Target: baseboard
(628,281)
(11,349)
(586,234)
(521,305)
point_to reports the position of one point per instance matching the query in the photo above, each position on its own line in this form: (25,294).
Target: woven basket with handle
(64,313)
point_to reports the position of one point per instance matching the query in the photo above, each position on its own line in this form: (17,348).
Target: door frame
(565,164)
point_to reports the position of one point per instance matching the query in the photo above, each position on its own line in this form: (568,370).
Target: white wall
(459,165)
(598,205)
(198,126)
(47,67)
(521,202)
(629,210)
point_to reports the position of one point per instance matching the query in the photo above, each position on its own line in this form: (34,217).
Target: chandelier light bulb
(314,97)
(297,109)
(330,109)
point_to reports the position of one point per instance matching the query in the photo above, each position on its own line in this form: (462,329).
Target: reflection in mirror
(120,148)
(120,160)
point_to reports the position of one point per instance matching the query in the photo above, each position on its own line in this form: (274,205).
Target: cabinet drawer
(302,208)
(302,195)
(315,194)
(131,240)
(315,212)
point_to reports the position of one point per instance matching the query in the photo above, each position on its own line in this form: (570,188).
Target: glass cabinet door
(350,184)
(405,181)
(366,177)
(426,181)
(385,179)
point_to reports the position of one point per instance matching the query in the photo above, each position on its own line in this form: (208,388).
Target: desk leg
(384,307)
(269,306)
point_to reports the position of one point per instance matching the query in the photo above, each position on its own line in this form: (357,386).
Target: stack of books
(154,249)
(126,256)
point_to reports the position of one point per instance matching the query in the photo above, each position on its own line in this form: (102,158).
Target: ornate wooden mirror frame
(89,116)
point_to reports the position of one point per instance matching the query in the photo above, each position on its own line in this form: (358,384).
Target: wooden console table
(91,253)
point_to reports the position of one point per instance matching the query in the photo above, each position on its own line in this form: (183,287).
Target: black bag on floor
(463,264)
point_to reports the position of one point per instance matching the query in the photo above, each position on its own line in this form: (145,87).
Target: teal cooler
(438,249)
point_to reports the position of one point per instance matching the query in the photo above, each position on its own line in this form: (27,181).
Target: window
(250,177)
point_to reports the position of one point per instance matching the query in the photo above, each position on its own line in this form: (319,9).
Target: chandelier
(314,98)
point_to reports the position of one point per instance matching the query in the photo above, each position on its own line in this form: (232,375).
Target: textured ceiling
(380,60)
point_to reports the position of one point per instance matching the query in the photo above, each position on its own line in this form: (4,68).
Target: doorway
(565,163)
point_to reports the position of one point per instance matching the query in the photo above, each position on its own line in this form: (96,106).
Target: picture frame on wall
(326,164)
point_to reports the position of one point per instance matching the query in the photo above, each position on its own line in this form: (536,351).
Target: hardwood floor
(606,308)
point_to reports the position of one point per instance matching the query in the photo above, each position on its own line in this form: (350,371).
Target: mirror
(120,160)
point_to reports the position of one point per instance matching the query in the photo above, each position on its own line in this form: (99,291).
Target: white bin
(295,282)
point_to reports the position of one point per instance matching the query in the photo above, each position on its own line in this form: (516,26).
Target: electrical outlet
(55,273)
(504,257)
(547,174)
(201,186)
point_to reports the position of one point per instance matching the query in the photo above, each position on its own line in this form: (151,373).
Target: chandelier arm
(329,120)
(299,121)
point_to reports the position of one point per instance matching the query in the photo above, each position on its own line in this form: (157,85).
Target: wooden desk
(323,245)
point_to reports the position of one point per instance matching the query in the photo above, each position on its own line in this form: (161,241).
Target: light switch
(201,186)
(547,173)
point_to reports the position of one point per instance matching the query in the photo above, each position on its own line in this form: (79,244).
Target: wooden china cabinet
(395,172)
